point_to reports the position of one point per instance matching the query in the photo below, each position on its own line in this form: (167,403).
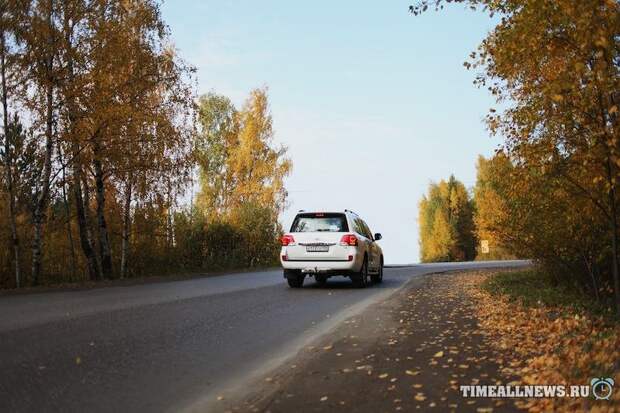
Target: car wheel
(360,280)
(378,277)
(320,279)
(295,279)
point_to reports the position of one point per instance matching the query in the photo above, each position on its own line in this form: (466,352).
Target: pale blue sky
(372,102)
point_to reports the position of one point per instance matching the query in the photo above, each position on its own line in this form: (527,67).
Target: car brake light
(348,239)
(287,240)
(284,258)
(350,257)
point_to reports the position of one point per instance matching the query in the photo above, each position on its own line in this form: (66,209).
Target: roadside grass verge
(536,288)
(555,335)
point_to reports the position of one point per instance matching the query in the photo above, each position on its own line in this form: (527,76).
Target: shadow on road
(346,284)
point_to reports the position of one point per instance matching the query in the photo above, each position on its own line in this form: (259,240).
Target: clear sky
(372,103)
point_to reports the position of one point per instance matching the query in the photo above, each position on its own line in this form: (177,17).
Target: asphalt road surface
(168,346)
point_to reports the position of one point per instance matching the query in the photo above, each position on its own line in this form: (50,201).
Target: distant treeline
(101,136)
(453,221)
(551,191)
(446,223)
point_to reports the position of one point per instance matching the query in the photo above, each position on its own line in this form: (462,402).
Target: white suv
(324,244)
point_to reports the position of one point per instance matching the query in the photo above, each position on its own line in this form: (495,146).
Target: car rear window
(320,222)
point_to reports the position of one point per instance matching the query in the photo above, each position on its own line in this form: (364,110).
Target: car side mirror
(378,236)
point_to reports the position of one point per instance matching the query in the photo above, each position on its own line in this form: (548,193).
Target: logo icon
(602,388)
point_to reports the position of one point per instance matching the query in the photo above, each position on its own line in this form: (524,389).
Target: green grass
(534,288)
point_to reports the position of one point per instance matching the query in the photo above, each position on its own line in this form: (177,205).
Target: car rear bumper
(331,266)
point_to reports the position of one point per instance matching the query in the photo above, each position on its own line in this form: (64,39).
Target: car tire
(378,278)
(294,278)
(360,279)
(321,280)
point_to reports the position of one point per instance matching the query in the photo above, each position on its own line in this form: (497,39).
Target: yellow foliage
(239,162)
(550,345)
(446,223)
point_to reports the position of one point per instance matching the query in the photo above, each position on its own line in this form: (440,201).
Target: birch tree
(8,40)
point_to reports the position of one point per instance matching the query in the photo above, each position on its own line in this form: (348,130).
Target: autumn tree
(242,172)
(554,65)
(130,124)
(75,40)
(40,60)
(446,223)
(99,143)
(238,159)
(490,212)
(219,128)
(563,232)
(9,33)
(97,113)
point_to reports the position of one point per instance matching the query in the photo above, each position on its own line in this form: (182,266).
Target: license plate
(317,248)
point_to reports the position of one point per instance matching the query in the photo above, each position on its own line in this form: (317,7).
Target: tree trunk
(169,218)
(81,205)
(44,184)
(590,269)
(105,255)
(8,164)
(614,245)
(68,215)
(42,197)
(126,227)
(37,245)
(82,197)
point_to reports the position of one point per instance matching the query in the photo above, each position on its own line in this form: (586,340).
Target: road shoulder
(408,352)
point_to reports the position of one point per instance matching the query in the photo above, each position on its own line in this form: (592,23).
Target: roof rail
(348,210)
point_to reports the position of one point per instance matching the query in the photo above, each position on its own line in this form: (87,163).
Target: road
(168,346)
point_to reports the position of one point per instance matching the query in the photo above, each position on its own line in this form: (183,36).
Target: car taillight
(287,240)
(348,239)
